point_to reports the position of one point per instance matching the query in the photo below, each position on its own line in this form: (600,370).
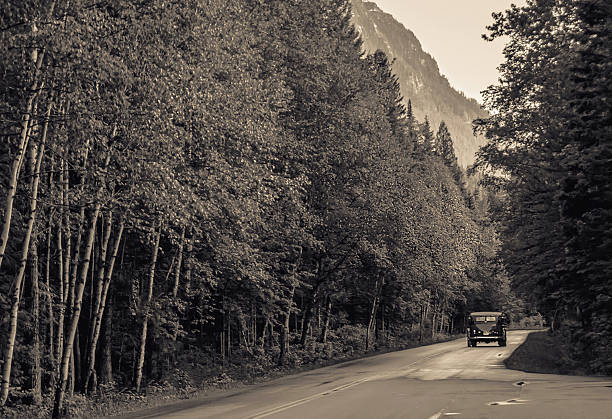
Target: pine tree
(586,195)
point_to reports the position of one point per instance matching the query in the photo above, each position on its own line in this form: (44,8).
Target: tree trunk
(36,373)
(177,272)
(14,177)
(50,337)
(106,365)
(188,262)
(8,353)
(266,336)
(74,320)
(372,318)
(328,305)
(59,336)
(284,335)
(62,282)
(99,313)
(61,386)
(96,300)
(306,319)
(146,308)
(434,318)
(177,276)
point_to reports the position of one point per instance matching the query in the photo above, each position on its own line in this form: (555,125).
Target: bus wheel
(502,342)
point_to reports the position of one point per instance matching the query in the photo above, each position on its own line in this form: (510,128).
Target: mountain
(430,92)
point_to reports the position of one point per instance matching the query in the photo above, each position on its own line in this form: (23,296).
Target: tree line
(217,180)
(550,142)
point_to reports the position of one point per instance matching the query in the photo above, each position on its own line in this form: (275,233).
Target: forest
(199,191)
(549,157)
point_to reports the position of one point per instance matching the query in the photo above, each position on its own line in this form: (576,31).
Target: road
(432,382)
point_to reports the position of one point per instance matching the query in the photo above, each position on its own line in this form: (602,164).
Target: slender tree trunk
(284,336)
(244,332)
(61,386)
(62,282)
(146,309)
(175,287)
(106,367)
(37,154)
(188,262)
(307,317)
(74,320)
(96,302)
(328,305)
(177,272)
(36,373)
(49,299)
(434,315)
(74,360)
(254,320)
(15,168)
(372,318)
(266,337)
(101,306)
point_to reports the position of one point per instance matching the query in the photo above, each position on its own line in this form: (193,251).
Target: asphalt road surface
(438,381)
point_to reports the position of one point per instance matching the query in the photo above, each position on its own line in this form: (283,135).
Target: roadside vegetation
(548,157)
(212,190)
(545,353)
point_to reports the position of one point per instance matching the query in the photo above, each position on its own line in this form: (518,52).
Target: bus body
(486,326)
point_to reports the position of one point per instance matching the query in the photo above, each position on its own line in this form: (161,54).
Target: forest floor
(186,383)
(544,353)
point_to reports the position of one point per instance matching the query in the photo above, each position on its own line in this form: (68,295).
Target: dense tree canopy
(549,153)
(221,181)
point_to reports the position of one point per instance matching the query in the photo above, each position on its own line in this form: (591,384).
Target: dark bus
(486,326)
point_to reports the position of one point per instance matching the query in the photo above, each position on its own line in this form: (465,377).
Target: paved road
(432,382)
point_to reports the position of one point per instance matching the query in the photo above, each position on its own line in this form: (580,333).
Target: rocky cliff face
(420,79)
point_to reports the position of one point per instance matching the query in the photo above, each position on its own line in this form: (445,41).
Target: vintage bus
(486,326)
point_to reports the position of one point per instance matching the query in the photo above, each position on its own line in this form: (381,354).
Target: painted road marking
(441,413)
(508,402)
(295,403)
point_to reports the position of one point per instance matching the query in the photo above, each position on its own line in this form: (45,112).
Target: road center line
(295,403)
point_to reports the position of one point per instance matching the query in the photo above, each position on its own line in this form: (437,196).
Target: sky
(450,31)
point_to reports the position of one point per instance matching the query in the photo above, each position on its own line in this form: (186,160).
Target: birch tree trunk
(16,166)
(188,262)
(97,298)
(377,289)
(308,316)
(100,308)
(284,335)
(76,312)
(323,338)
(36,373)
(106,367)
(62,282)
(80,287)
(49,299)
(177,272)
(8,353)
(146,309)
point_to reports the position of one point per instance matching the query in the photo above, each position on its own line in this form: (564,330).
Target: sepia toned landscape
(282,208)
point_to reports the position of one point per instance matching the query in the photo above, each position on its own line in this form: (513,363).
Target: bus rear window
(485,319)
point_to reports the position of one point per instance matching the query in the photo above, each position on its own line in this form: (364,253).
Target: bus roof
(486,313)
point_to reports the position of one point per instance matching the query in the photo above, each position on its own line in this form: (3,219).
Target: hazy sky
(450,31)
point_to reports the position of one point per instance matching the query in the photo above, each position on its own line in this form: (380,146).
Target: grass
(543,353)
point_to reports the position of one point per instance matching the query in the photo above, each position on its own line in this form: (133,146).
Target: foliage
(226,186)
(549,137)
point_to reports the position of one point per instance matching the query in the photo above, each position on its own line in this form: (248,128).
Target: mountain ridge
(430,92)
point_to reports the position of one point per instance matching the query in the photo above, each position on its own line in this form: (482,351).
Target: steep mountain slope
(420,79)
